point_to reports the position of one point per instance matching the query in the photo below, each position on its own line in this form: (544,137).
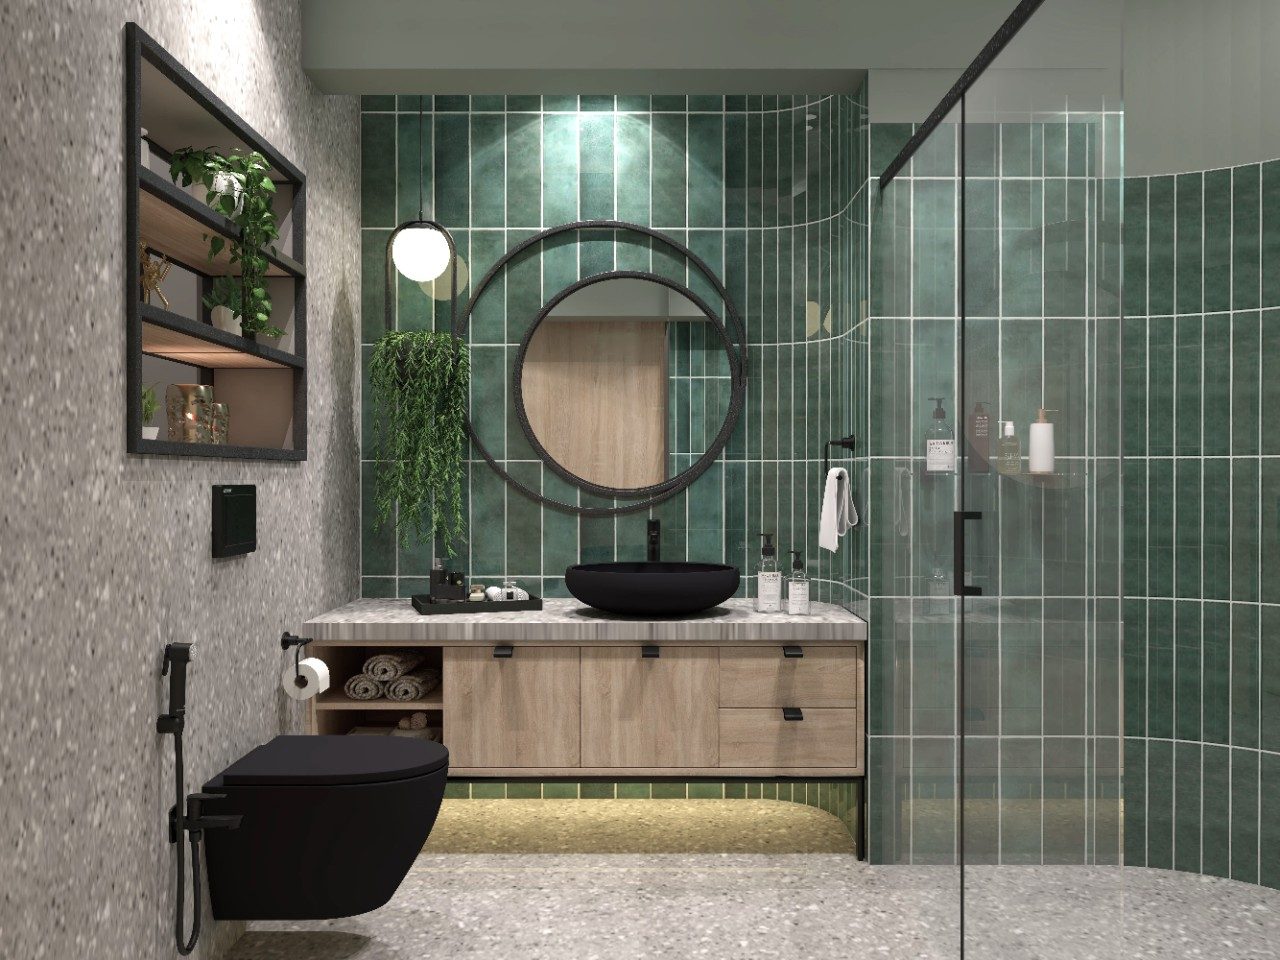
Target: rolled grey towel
(413,686)
(426,733)
(364,687)
(396,663)
(414,721)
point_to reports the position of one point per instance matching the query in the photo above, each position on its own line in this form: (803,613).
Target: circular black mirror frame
(738,364)
(673,484)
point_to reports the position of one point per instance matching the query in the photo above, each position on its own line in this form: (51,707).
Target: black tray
(430,606)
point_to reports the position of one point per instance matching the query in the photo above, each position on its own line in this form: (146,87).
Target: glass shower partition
(912,372)
(1040,199)
(995,740)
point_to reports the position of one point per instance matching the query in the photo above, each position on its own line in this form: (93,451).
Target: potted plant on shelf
(420,380)
(239,187)
(224,305)
(150,404)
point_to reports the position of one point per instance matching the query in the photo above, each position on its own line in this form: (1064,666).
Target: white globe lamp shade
(420,253)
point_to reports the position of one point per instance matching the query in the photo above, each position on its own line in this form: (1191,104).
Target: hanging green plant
(239,187)
(421,381)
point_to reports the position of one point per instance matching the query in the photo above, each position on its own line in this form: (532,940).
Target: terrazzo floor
(754,880)
(793,906)
(635,826)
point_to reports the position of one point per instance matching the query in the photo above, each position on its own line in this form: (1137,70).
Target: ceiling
(670,46)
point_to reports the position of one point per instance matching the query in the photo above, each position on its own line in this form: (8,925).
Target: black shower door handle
(959,587)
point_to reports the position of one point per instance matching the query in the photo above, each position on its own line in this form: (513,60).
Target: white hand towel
(838,514)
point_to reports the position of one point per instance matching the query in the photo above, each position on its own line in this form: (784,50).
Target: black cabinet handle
(650,651)
(792,651)
(959,587)
(503,651)
(792,713)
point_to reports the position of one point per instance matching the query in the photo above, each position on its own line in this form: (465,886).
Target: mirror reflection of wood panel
(595,392)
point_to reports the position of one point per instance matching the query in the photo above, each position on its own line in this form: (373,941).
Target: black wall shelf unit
(178,110)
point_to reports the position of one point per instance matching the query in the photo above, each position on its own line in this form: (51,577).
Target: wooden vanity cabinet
(512,707)
(649,706)
(629,709)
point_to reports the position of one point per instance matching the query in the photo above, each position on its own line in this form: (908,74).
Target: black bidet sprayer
(185,816)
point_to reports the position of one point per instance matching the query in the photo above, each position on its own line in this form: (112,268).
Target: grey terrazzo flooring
(646,907)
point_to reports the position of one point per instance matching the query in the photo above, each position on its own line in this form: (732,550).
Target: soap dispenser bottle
(1040,450)
(1009,454)
(768,578)
(940,442)
(797,588)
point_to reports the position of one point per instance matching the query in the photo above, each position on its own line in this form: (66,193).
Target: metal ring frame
(732,334)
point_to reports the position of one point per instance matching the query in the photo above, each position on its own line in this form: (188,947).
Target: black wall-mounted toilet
(331,825)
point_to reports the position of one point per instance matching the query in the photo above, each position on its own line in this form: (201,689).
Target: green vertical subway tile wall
(496,169)
(1198,349)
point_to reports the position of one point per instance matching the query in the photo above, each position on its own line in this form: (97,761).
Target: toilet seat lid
(299,760)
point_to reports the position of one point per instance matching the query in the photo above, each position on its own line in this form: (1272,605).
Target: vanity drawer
(764,677)
(762,738)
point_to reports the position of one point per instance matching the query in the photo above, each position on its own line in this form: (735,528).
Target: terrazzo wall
(1042,672)
(1202,522)
(762,188)
(105,557)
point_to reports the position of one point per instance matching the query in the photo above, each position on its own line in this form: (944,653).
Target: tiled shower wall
(1202,522)
(1042,655)
(762,188)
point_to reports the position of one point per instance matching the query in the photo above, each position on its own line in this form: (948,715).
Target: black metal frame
(1008,30)
(140,47)
(731,330)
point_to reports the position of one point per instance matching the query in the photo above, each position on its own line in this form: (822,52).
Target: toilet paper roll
(315,678)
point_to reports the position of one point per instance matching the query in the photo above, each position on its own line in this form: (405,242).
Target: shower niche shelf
(172,339)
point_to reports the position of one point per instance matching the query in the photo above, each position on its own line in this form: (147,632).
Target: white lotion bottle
(768,578)
(1040,446)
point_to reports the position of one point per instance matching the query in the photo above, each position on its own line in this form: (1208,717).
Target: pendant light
(420,249)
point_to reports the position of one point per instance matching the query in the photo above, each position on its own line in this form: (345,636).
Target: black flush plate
(235,519)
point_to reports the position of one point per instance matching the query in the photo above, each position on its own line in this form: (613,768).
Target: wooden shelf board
(337,700)
(180,338)
(176,224)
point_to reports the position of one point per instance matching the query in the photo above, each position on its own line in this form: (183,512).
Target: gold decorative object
(220,423)
(152,273)
(189,407)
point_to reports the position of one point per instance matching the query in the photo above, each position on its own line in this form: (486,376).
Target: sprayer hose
(184,947)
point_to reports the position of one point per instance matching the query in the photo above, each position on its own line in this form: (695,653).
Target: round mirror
(623,383)
(627,383)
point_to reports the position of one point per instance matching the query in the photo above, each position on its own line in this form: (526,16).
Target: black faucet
(655,540)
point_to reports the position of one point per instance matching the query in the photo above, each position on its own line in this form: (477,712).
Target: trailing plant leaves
(420,381)
(256,220)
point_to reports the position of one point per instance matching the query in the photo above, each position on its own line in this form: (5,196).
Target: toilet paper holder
(288,640)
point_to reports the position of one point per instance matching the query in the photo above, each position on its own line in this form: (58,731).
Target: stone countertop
(569,621)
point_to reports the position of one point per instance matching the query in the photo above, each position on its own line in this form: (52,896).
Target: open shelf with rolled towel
(374,688)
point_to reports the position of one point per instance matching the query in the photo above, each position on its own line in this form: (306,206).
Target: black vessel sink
(652,589)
